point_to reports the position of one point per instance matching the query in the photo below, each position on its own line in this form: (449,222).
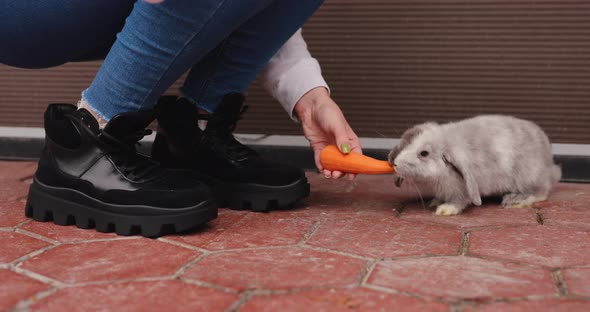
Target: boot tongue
(227,113)
(220,125)
(181,107)
(120,135)
(85,118)
(125,125)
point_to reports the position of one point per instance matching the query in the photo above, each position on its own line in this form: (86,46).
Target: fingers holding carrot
(324,124)
(347,142)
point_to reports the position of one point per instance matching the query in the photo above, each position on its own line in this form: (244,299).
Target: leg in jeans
(41,34)
(234,64)
(160,42)
(154,47)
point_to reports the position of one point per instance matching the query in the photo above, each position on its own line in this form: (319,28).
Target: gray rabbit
(459,162)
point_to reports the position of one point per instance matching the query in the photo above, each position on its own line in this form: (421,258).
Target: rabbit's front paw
(448,210)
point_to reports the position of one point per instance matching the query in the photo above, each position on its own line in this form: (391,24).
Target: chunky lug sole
(257,197)
(65,206)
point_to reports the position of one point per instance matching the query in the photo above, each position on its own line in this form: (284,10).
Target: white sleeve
(291,73)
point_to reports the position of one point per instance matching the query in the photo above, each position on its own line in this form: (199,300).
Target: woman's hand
(323,124)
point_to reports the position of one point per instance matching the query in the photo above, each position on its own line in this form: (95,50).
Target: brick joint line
(367,271)
(312,229)
(183,245)
(464,249)
(38,277)
(557,278)
(242,300)
(539,217)
(25,304)
(189,264)
(37,236)
(191,281)
(30,255)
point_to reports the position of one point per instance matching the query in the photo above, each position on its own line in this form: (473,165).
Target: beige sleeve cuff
(291,73)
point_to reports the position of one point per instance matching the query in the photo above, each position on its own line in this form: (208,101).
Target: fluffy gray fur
(462,161)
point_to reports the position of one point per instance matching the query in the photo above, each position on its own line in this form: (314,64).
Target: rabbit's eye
(424,153)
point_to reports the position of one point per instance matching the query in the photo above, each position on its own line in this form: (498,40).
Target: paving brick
(378,237)
(577,281)
(12,213)
(15,287)
(462,277)
(321,212)
(17,170)
(110,260)
(235,229)
(544,245)
(553,305)
(277,268)
(11,190)
(368,194)
(363,184)
(567,213)
(371,193)
(15,245)
(569,192)
(342,205)
(137,296)
(357,299)
(65,233)
(473,217)
(353,217)
(320,207)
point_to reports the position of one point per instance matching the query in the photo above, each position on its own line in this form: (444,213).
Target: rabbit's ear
(407,138)
(462,167)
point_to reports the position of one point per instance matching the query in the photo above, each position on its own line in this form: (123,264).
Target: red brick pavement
(362,246)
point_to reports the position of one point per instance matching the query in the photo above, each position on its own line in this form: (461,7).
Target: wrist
(311,98)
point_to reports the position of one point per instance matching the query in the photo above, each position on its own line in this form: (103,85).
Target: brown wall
(394,63)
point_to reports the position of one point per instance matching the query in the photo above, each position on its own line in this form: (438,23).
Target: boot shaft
(180,143)
(237,174)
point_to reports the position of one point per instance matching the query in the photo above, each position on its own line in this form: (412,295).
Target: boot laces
(124,153)
(219,135)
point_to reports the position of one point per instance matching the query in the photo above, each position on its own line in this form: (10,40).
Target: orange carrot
(332,159)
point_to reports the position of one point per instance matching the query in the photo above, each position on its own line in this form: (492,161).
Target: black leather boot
(96,178)
(239,177)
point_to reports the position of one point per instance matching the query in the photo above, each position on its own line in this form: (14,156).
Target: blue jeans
(146,47)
